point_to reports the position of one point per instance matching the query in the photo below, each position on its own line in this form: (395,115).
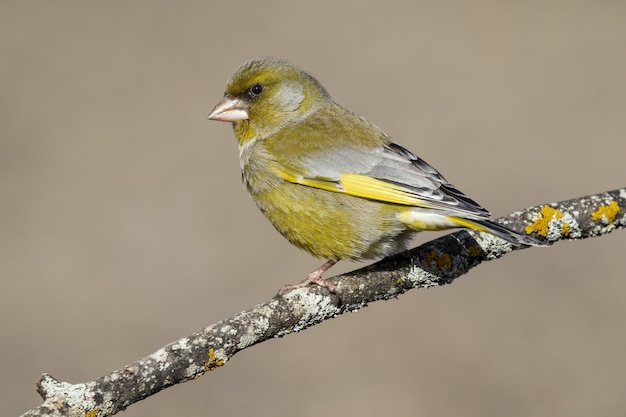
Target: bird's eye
(255,90)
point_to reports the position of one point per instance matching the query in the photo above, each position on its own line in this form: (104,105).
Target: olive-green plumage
(331,182)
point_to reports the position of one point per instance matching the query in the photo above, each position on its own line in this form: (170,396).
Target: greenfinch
(331,182)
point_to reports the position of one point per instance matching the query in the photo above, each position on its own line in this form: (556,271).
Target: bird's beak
(229,109)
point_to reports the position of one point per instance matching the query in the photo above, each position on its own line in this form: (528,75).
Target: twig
(438,262)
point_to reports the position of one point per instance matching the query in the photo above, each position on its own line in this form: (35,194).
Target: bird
(330,181)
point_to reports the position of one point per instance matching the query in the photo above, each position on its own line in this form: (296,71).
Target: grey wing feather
(394,164)
(404,168)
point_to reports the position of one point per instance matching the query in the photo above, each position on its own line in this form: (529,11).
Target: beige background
(123,224)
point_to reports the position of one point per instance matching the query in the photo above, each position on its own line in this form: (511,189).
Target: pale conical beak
(229,109)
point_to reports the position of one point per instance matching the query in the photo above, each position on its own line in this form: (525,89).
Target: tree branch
(438,262)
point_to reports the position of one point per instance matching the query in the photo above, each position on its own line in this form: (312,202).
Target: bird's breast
(326,224)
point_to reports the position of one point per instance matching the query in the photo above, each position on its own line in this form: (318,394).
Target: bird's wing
(389,173)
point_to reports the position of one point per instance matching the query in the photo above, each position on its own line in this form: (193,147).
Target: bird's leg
(314,277)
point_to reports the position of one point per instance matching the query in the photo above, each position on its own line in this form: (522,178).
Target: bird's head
(267,94)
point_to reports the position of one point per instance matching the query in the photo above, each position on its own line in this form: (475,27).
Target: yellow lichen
(213,362)
(606,213)
(92,413)
(473,250)
(400,282)
(543,219)
(566,228)
(439,260)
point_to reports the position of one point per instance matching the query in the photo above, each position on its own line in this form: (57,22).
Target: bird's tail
(498,230)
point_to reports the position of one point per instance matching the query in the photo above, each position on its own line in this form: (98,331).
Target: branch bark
(434,263)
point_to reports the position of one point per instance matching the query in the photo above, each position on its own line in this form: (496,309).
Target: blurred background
(124,226)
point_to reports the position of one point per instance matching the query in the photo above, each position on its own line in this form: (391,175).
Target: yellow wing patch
(364,187)
(321,183)
(374,189)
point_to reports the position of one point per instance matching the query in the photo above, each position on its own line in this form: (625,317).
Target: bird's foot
(314,277)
